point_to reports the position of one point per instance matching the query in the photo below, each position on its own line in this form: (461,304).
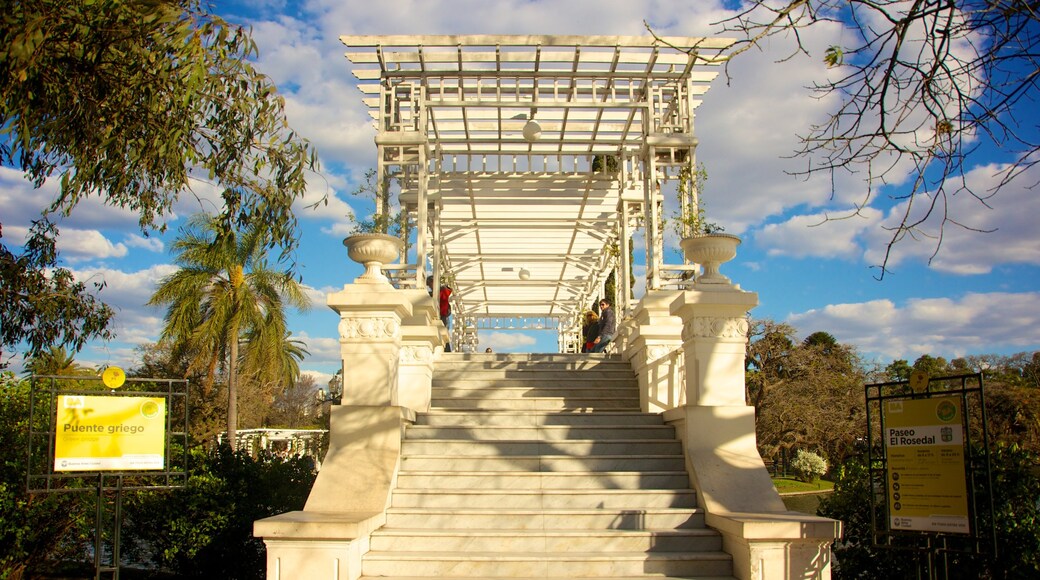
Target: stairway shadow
(542,466)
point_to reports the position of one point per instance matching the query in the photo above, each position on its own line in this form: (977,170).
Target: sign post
(931,486)
(132,436)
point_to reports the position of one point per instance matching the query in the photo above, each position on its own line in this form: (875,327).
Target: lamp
(532,131)
(525,274)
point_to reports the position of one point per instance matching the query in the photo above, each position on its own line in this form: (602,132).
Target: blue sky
(980,294)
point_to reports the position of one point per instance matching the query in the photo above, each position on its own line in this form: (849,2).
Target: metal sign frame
(108,485)
(935,546)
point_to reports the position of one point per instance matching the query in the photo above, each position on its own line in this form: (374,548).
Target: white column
(653,345)
(718,432)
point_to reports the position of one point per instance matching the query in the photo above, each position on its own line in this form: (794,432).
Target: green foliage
(608,163)
(855,556)
(690,220)
(131,101)
(1015,493)
(56,360)
(42,305)
(387,219)
(204,530)
(226,295)
(39,528)
(898,370)
(834,56)
(808,466)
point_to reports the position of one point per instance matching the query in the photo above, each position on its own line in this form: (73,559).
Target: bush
(36,530)
(808,466)
(205,529)
(1016,521)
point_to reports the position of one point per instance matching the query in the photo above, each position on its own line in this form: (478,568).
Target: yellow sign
(95,433)
(113,377)
(924,441)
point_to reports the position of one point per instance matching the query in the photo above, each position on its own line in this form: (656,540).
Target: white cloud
(151,243)
(78,245)
(505,341)
(976,323)
(324,350)
(817,235)
(128,293)
(998,229)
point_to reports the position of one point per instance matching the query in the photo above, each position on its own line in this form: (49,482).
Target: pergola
(525,164)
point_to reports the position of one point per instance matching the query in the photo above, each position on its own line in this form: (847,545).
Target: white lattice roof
(457,106)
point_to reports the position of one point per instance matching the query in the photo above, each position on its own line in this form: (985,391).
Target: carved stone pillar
(714,341)
(370,341)
(422,339)
(349,497)
(654,348)
(717,428)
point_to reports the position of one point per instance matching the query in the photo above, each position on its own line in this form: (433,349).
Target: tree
(822,340)
(269,365)
(42,305)
(297,403)
(225,296)
(768,351)
(131,101)
(56,360)
(207,406)
(932,366)
(806,396)
(898,370)
(919,84)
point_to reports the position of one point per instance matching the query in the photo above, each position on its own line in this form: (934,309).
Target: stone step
(543,480)
(572,447)
(450,463)
(536,404)
(542,466)
(473,380)
(541,374)
(542,432)
(570,565)
(553,499)
(654,577)
(544,519)
(464,390)
(521,359)
(517,418)
(605,541)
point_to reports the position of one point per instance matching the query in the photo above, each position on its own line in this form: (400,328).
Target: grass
(792,485)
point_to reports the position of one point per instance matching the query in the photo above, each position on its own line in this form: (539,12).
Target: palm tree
(56,360)
(225,298)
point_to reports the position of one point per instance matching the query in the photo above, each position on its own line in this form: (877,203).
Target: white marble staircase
(541,466)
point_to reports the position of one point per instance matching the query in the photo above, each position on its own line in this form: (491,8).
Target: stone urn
(373,250)
(710,251)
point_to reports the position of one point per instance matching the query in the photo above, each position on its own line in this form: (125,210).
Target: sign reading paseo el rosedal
(924,441)
(109,433)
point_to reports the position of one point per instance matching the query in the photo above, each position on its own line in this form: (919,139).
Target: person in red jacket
(444,303)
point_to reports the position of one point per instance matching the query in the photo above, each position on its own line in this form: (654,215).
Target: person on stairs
(444,303)
(607,326)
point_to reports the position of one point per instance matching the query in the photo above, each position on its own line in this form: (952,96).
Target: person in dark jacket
(589,331)
(607,326)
